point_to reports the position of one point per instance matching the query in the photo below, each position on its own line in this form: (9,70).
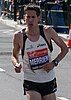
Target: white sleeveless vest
(35,55)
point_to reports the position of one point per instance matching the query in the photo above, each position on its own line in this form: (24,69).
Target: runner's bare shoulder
(18,37)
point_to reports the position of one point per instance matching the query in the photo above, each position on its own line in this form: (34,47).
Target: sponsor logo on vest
(39,45)
(30,47)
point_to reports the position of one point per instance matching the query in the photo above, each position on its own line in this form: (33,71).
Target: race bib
(37,58)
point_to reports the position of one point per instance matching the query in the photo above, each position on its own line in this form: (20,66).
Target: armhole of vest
(24,40)
(43,35)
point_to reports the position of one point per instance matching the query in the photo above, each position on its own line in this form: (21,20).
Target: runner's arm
(15,53)
(63,48)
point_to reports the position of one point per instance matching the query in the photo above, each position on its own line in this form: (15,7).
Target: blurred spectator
(12,1)
(5,8)
(57,17)
(11,10)
(6,4)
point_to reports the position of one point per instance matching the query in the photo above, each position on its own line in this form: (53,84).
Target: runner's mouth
(30,24)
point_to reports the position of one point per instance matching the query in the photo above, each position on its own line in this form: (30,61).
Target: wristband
(55,61)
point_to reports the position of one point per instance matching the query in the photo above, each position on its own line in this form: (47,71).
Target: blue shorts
(42,88)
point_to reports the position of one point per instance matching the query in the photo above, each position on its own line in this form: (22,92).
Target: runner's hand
(48,66)
(18,68)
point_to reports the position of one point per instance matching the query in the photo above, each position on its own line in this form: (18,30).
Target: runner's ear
(39,18)
(24,17)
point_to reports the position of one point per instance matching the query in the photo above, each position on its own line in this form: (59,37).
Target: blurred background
(56,13)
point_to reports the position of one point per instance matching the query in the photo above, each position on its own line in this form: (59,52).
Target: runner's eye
(33,16)
(28,16)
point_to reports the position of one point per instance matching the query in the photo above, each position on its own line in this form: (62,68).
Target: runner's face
(31,18)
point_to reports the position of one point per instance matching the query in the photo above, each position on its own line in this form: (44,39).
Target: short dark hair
(32,6)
